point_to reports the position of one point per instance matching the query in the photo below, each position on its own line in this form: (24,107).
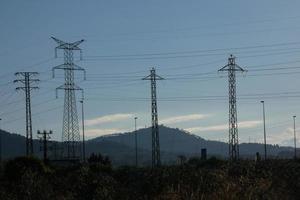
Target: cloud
(207,128)
(108,118)
(285,137)
(183,118)
(249,124)
(91,133)
(222,127)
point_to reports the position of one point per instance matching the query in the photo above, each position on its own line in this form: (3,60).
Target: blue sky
(186,41)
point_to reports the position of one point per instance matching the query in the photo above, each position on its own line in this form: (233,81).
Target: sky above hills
(186,41)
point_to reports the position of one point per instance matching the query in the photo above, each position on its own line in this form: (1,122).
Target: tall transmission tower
(27,79)
(155,129)
(232,68)
(70,132)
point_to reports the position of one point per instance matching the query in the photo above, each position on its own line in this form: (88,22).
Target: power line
(208,34)
(21,100)
(112,79)
(190,56)
(190,28)
(128,76)
(181,29)
(29,66)
(200,51)
(174,99)
(35,114)
(36,105)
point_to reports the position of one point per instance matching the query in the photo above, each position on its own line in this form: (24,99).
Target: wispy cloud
(285,137)
(249,124)
(207,128)
(91,133)
(221,127)
(108,118)
(183,118)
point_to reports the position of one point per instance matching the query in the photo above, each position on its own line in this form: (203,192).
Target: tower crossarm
(67,66)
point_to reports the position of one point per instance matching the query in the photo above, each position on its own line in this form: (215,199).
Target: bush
(26,178)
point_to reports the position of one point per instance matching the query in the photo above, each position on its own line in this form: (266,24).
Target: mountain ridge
(120,147)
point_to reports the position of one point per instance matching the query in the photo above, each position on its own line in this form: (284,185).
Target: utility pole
(83,136)
(45,137)
(232,68)
(265,137)
(136,148)
(155,129)
(70,131)
(295,141)
(27,79)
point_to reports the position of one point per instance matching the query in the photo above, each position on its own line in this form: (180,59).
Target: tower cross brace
(70,131)
(154,118)
(232,68)
(26,79)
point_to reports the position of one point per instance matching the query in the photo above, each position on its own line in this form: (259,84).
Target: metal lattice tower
(70,132)
(26,79)
(155,129)
(232,67)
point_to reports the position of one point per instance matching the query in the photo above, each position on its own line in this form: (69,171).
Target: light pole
(294,117)
(83,139)
(0,143)
(264,118)
(135,134)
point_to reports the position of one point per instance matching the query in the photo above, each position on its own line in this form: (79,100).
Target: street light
(0,144)
(295,155)
(83,139)
(136,153)
(264,118)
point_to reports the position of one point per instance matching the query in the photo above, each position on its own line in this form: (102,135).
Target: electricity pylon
(26,79)
(155,130)
(232,68)
(70,132)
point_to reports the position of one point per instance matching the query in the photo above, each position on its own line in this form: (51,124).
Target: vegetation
(29,178)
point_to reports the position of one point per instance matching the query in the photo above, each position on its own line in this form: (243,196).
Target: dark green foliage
(26,178)
(98,158)
(14,169)
(29,178)
(211,163)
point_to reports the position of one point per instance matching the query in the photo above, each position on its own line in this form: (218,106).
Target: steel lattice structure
(27,80)
(70,131)
(155,129)
(232,67)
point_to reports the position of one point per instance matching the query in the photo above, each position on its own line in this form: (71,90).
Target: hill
(174,141)
(121,147)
